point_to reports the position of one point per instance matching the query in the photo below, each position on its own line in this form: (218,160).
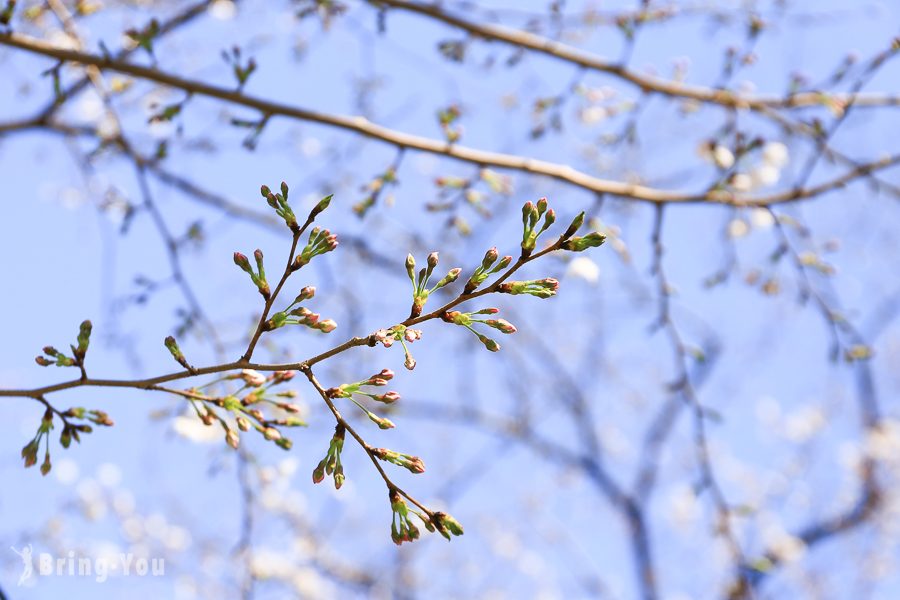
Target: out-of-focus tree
(706,409)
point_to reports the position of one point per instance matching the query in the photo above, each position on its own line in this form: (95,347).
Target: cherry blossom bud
(411,267)
(490,257)
(326,326)
(579,244)
(504,262)
(501,325)
(305,294)
(84,338)
(319,472)
(241,261)
(488,343)
(576,224)
(451,276)
(231,438)
(282,376)
(387,398)
(253,378)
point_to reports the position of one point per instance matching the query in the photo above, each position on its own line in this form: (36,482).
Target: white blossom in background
(63,40)
(109,475)
(784,546)
(723,157)
(307,583)
(311,147)
(65,470)
(741,182)
(123,502)
(584,268)
(594,114)
(738,228)
(89,107)
(191,428)
(224,10)
(883,442)
(108,127)
(683,509)
(765,175)
(761,218)
(775,154)
(804,423)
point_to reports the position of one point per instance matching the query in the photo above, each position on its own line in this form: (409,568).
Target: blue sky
(533,528)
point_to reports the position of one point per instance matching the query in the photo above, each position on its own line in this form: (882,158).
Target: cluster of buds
(280,204)
(246,412)
(79,351)
(580,243)
(445,524)
(402,527)
(58,358)
(404,530)
(486,269)
(143,38)
(331,464)
(70,431)
(467,319)
(446,118)
(374,189)
(420,282)
(542,288)
(531,214)
(241,71)
(346,390)
(413,464)
(97,417)
(177,354)
(258,278)
(300,315)
(402,334)
(30,451)
(320,241)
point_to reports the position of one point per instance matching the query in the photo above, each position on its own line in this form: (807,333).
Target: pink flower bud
(319,472)
(327,326)
(501,325)
(387,398)
(281,376)
(253,378)
(490,257)
(241,261)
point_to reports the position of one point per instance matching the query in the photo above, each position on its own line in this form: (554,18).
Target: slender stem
(307,370)
(150,382)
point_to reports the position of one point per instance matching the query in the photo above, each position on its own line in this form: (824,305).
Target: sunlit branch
(362,126)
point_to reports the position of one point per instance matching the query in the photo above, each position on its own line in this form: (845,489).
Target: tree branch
(364,127)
